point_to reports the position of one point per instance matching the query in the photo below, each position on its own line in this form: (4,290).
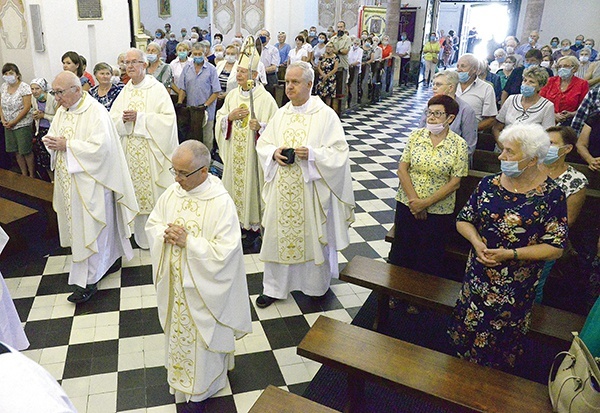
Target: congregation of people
(129,149)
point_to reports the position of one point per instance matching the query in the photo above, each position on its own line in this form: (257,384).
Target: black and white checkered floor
(108,354)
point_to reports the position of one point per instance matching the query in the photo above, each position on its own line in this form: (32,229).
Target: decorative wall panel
(327,12)
(224,15)
(350,13)
(253,15)
(13,28)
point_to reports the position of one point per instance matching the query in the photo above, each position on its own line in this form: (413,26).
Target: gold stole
(138,157)
(62,175)
(240,129)
(290,195)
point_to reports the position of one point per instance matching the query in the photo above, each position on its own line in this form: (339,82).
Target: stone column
(392,20)
(533,17)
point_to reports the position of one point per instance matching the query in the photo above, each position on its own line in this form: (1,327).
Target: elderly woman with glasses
(432,164)
(515,221)
(566,90)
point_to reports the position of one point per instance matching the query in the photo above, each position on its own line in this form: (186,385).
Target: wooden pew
(438,377)
(275,400)
(548,323)
(12,217)
(34,190)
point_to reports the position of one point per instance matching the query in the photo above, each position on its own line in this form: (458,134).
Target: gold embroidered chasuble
(242,177)
(93,162)
(148,142)
(300,198)
(202,294)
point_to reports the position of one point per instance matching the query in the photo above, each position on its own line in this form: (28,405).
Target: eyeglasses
(435,113)
(183,174)
(60,93)
(132,62)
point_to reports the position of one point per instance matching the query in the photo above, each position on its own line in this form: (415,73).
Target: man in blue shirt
(199,82)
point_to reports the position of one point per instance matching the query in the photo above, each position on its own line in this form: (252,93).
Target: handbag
(575,386)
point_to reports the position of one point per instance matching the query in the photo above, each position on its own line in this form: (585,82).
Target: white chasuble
(242,177)
(309,205)
(202,294)
(93,193)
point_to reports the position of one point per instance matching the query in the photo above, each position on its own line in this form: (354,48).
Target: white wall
(97,40)
(565,19)
(184,13)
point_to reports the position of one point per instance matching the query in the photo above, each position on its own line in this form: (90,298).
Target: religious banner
(372,19)
(202,8)
(164,8)
(406,23)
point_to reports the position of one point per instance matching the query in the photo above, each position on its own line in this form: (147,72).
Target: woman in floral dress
(327,69)
(515,221)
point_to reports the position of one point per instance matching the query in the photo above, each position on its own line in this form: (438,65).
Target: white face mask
(545,63)
(219,55)
(231,58)
(10,79)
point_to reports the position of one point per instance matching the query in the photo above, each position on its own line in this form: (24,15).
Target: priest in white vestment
(11,330)
(237,130)
(93,194)
(309,202)
(200,279)
(145,119)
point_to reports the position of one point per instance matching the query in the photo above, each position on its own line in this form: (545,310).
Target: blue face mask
(501,59)
(157,35)
(312,34)
(463,77)
(263,39)
(432,38)
(511,168)
(552,155)
(554,44)
(578,42)
(321,40)
(565,73)
(199,60)
(565,48)
(527,90)
(182,55)
(403,37)
(152,58)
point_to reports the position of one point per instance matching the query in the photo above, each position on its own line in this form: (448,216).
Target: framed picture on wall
(164,8)
(89,10)
(202,8)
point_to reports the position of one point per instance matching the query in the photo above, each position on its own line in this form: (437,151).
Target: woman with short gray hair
(528,106)
(515,221)
(105,91)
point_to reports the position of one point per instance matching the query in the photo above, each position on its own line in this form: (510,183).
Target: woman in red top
(386,55)
(566,90)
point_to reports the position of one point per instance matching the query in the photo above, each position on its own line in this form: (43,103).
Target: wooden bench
(548,323)
(275,400)
(34,190)
(12,217)
(437,377)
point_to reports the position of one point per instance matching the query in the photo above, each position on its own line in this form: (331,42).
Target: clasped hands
(418,207)
(300,153)
(241,113)
(175,235)
(129,116)
(58,143)
(491,257)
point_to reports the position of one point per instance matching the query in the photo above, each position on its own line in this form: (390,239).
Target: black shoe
(263,301)
(113,268)
(192,407)
(81,295)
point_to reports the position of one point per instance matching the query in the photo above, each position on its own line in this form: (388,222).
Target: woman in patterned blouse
(105,91)
(515,221)
(432,164)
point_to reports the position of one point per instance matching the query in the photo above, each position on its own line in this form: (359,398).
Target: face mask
(364,37)
(554,44)
(511,168)
(375,41)
(565,73)
(463,77)
(263,39)
(240,38)
(217,41)
(193,40)
(432,38)
(509,66)
(321,40)
(356,46)
(578,42)
(403,37)
(182,55)
(435,128)
(172,39)
(340,33)
(526,65)
(545,63)
(10,79)
(231,58)
(501,59)
(199,60)
(527,90)
(41,97)
(552,155)
(531,40)
(312,34)
(219,55)
(510,50)
(588,46)
(385,43)
(157,35)
(183,34)
(566,48)
(152,58)
(584,59)
(368,45)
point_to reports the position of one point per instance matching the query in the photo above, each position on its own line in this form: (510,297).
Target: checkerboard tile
(108,354)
